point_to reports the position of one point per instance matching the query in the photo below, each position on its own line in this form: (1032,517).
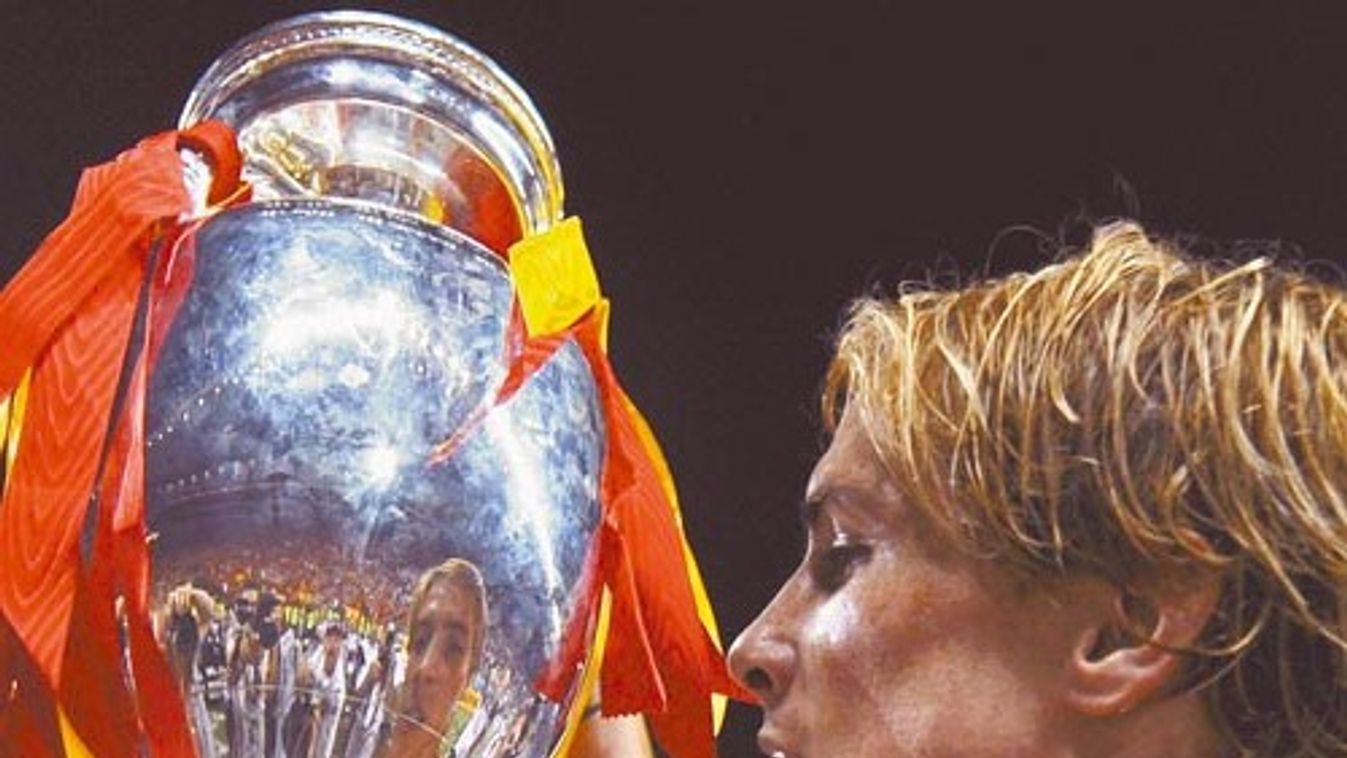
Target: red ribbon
(70,312)
(659,659)
(68,317)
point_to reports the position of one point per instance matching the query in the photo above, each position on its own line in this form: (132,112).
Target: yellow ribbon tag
(554,278)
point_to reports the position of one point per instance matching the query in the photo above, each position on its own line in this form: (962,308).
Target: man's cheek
(851,656)
(837,625)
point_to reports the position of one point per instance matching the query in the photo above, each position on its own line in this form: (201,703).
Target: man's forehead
(451,606)
(850,460)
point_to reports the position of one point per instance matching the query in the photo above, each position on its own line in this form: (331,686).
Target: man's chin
(772,742)
(434,718)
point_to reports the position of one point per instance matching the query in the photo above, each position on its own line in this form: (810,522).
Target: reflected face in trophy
(445,633)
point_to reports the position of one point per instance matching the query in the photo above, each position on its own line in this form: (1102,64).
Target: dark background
(745,168)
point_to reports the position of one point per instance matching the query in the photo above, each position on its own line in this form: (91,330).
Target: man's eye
(833,567)
(420,638)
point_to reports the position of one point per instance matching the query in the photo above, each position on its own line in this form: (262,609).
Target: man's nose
(763,658)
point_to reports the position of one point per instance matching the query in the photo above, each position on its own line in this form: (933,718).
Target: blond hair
(1127,410)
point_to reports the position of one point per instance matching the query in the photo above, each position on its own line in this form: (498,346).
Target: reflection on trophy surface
(446,625)
(337,489)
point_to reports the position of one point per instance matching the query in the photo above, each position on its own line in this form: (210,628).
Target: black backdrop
(745,168)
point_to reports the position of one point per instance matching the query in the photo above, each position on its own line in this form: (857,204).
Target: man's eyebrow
(811,509)
(836,498)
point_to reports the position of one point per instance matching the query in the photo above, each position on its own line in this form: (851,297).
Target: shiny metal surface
(324,352)
(357,551)
(371,106)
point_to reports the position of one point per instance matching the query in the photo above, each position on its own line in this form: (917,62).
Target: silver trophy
(359,548)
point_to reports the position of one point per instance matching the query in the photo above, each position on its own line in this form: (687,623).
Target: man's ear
(1134,653)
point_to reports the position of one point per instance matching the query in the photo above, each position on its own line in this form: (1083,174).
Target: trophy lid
(381,109)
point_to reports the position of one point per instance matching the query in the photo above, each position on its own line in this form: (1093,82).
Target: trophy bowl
(360,547)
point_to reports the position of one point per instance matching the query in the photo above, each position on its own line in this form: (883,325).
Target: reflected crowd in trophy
(303,660)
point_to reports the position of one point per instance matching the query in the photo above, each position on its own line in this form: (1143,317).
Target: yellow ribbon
(556,284)
(74,746)
(11,423)
(555,280)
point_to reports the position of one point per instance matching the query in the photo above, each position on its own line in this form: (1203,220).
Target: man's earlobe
(1136,653)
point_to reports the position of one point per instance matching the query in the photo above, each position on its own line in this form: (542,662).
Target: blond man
(1095,510)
